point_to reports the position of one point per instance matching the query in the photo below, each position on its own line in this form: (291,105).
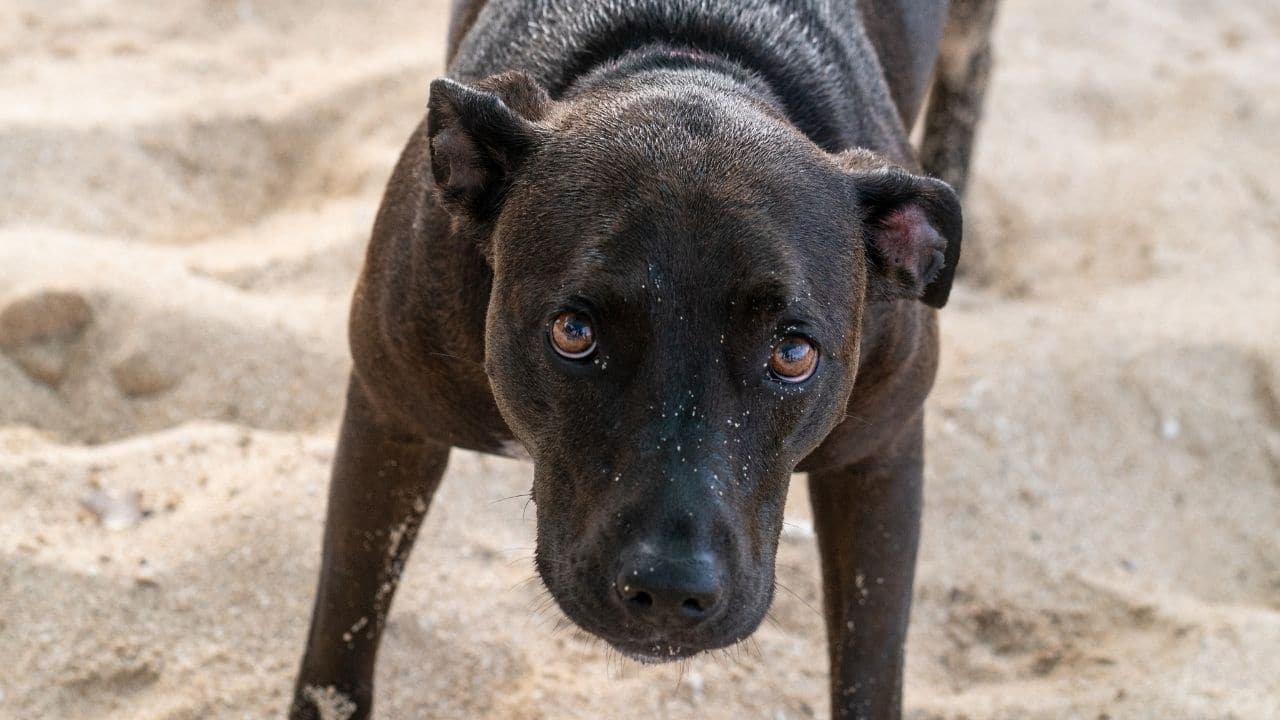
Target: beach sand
(186,190)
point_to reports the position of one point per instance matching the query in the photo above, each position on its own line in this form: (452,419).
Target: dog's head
(679,279)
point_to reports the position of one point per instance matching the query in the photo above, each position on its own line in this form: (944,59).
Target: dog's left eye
(794,359)
(572,336)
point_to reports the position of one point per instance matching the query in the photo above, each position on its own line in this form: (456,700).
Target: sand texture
(186,189)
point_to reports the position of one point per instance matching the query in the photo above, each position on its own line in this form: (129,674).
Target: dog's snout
(671,593)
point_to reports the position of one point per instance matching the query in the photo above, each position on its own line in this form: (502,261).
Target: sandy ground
(185,192)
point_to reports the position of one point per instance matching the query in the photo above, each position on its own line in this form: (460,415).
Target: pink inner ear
(908,240)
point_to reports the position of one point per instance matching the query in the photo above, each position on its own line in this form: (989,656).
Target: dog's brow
(605,291)
(767,296)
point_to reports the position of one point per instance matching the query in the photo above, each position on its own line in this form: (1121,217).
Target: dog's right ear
(480,135)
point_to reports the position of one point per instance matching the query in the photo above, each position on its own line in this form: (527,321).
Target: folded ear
(480,135)
(913,226)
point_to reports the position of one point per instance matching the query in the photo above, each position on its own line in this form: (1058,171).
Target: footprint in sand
(39,332)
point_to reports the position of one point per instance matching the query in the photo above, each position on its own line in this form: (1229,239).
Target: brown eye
(572,336)
(794,359)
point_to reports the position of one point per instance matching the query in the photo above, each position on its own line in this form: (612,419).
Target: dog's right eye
(794,359)
(572,336)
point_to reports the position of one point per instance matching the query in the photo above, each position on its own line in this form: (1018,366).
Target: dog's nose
(671,593)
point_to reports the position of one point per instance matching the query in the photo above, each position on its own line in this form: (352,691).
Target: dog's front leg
(381,487)
(867,517)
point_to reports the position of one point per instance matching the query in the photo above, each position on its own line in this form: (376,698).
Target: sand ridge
(185,194)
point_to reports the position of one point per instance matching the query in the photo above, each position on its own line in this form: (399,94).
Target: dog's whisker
(512,497)
(528,557)
(778,583)
(519,548)
(773,620)
(544,605)
(725,656)
(526,582)
(535,602)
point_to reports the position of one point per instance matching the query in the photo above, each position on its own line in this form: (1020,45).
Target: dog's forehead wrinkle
(723,139)
(769,281)
(655,104)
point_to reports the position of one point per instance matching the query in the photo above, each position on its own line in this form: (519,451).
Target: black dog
(674,251)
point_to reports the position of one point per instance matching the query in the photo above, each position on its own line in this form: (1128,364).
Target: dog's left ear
(913,226)
(480,135)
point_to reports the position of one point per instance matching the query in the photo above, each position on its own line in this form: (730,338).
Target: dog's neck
(816,63)
(680,65)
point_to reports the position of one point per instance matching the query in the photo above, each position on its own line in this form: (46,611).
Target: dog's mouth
(697,603)
(655,653)
(649,646)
